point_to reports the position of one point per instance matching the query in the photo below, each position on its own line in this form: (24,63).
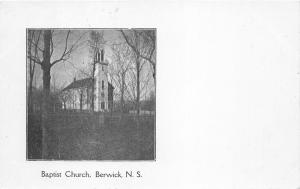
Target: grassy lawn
(76,136)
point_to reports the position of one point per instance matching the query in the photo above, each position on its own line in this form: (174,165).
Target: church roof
(87,82)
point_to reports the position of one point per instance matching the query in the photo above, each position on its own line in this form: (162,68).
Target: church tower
(101,82)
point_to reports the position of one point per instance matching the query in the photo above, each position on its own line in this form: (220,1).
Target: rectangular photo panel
(91,94)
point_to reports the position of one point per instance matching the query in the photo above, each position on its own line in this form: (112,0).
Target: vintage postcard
(117,94)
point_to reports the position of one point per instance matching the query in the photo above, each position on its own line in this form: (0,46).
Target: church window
(102,105)
(102,85)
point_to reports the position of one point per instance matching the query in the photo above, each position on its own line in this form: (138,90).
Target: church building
(78,96)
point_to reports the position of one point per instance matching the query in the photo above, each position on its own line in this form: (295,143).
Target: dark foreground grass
(75,136)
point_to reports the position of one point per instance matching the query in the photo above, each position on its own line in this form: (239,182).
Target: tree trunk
(154,76)
(138,86)
(93,87)
(81,99)
(30,38)
(139,136)
(46,67)
(122,92)
(30,104)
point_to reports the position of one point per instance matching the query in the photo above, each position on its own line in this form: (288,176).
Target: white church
(77,95)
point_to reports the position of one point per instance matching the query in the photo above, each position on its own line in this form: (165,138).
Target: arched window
(98,56)
(102,55)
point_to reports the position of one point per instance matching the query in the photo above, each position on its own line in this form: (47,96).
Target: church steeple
(101,82)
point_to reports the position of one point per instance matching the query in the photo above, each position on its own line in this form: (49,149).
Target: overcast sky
(63,73)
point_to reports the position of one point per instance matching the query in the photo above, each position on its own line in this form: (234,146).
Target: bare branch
(34,60)
(51,44)
(39,48)
(130,44)
(34,42)
(63,56)
(67,52)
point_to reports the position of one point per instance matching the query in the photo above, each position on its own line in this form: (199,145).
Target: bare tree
(148,51)
(81,97)
(145,83)
(64,97)
(143,44)
(46,50)
(122,61)
(133,40)
(32,50)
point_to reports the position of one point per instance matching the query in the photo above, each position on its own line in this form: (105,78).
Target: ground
(81,136)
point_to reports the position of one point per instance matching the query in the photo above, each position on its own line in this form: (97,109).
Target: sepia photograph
(91,94)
